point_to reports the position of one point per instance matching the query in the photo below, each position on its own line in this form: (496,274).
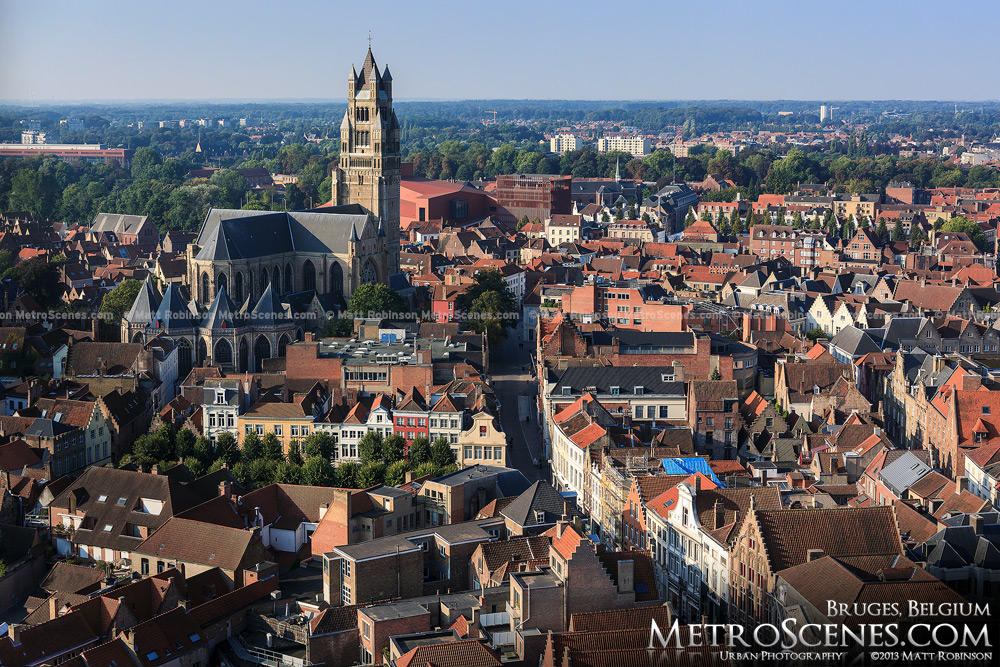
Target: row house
(771,541)
(691,530)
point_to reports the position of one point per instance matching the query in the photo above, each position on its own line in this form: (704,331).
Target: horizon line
(324,100)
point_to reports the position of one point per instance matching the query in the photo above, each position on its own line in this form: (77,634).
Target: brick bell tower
(369,170)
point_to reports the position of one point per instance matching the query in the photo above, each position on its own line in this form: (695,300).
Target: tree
(253,448)
(338,327)
(202,448)
(428,469)
(319,443)
(347,474)
(393,447)
(288,473)
(917,236)
(375,299)
(262,471)
(815,333)
(119,300)
(441,453)
(882,231)
(184,444)
(371,474)
(227,449)
(40,280)
(318,471)
(294,455)
(370,446)
(522,222)
(420,451)
(897,231)
(487,316)
(797,220)
(689,219)
(716,375)
(271,448)
(395,473)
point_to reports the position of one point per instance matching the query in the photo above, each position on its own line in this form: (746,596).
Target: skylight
(107,528)
(152,656)
(194,638)
(122,501)
(102,498)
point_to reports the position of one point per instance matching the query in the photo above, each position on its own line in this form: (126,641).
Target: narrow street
(517,391)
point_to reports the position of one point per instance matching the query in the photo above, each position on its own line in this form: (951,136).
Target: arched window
(204,288)
(261,351)
(238,288)
(223,353)
(369,274)
(308,276)
(183,358)
(276,280)
(244,356)
(137,337)
(264,279)
(289,283)
(282,344)
(250,285)
(221,282)
(336,278)
(202,350)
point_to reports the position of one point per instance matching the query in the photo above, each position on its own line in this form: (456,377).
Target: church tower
(369,170)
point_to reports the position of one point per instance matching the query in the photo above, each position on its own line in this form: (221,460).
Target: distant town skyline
(767,50)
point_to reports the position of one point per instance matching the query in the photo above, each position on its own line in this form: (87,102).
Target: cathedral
(245,268)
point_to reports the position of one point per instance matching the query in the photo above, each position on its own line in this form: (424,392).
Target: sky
(543,49)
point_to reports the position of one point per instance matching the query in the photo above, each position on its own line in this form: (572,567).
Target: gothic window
(221,282)
(244,356)
(137,337)
(289,283)
(202,350)
(336,278)
(369,274)
(183,357)
(250,286)
(276,280)
(261,351)
(223,353)
(238,288)
(308,276)
(282,344)
(204,288)
(263,280)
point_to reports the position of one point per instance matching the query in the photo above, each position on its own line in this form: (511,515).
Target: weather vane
(369,39)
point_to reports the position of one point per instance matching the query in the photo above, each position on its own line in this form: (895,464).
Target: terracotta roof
(196,542)
(634,618)
(69,578)
(789,534)
(463,653)
(17,455)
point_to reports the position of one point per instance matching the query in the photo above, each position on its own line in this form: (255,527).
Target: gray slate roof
(145,305)
(223,313)
(174,312)
(540,497)
(229,234)
(626,378)
(903,473)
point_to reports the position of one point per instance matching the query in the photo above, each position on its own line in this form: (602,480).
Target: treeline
(54,190)
(260,461)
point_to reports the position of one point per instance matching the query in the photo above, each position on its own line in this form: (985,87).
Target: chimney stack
(225,488)
(720,515)
(976,521)
(14,632)
(961,484)
(813,554)
(53,607)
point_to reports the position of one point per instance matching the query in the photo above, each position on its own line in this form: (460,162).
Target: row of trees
(260,460)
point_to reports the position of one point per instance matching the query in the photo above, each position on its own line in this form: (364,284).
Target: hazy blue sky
(753,49)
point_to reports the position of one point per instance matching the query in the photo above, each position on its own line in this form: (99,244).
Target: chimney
(813,554)
(961,484)
(567,510)
(697,483)
(310,337)
(409,477)
(719,515)
(155,470)
(53,607)
(626,576)
(72,502)
(225,488)
(976,521)
(14,632)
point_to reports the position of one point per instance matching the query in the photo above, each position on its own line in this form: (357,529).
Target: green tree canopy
(40,280)
(420,451)
(965,226)
(441,453)
(370,446)
(319,443)
(318,471)
(375,298)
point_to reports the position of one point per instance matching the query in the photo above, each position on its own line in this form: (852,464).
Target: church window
(276,280)
(221,282)
(336,278)
(369,273)
(282,345)
(204,288)
(264,280)
(261,351)
(308,276)
(238,287)
(223,353)
(183,357)
(289,283)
